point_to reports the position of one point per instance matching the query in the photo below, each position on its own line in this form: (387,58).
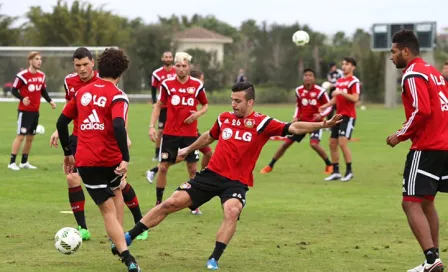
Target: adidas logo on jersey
(443,101)
(92,122)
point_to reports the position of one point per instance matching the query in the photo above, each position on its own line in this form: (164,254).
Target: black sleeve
(121,137)
(64,138)
(45,95)
(16,93)
(154,94)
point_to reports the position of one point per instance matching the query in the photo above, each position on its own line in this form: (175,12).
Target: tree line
(265,51)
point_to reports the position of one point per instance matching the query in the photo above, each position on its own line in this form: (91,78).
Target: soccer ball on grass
(40,129)
(67,240)
(300,38)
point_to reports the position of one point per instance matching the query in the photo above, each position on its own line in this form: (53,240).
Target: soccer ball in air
(40,129)
(300,38)
(67,240)
(326,85)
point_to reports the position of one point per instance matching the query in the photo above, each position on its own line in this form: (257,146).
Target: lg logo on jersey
(176,100)
(97,101)
(227,133)
(32,87)
(312,102)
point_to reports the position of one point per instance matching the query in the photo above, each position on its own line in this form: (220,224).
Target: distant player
(241,135)
(425,101)
(181,95)
(29,86)
(102,155)
(158,76)
(309,98)
(344,97)
(84,75)
(206,151)
(333,75)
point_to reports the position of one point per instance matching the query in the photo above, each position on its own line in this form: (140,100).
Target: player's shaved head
(406,39)
(247,87)
(112,63)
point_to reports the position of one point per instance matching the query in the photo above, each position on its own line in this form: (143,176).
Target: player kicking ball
(309,98)
(241,135)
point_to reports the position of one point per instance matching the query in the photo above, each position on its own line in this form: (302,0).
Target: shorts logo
(249,123)
(227,134)
(185,186)
(164,155)
(160,124)
(191,90)
(86,98)
(23,130)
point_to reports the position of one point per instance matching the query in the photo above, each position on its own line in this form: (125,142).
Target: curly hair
(112,63)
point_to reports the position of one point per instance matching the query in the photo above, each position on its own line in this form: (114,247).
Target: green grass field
(293,221)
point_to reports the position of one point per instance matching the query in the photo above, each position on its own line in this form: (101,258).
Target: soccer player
(241,135)
(425,101)
(309,98)
(29,86)
(344,97)
(206,151)
(158,76)
(102,155)
(181,95)
(84,75)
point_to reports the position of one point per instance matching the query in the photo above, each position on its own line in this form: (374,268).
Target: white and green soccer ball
(40,129)
(67,240)
(300,38)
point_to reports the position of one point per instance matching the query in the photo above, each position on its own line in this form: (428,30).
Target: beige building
(201,38)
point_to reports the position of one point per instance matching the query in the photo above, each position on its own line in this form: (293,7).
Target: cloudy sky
(326,16)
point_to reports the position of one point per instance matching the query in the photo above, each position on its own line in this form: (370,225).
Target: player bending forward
(309,98)
(241,135)
(102,155)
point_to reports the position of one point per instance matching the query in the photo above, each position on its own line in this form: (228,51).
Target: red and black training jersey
(348,85)
(309,101)
(30,85)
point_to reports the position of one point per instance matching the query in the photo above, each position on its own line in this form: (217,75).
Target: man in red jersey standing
(425,101)
(241,135)
(181,95)
(102,155)
(344,97)
(29,86)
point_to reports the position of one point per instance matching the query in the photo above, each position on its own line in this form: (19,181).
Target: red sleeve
(417,96)
(70,110)
(154,80)
(354,88)
(202,97)
(273,127)
(18,83)
(164,93)
(119,110)
(216,129)
(324,99)
(67,97)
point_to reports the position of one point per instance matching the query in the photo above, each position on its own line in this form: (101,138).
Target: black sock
(327,162)
(349,167)
(157,151)
(430,255)
(77,202)
(137,230)
(335,167)
(13,158)
(131,200)
(159,194)
(271,164)
(24,158)
(218,251)
(155,169)
(126,257)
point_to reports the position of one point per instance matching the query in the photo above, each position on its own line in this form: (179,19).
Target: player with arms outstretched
(102,155)
(344,97)
(241,135)
(84,74)
(309,98)
(425,101)
(29,86)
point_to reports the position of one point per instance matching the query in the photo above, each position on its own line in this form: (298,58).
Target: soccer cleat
(196,212)
(334,176)
(328,169)
(85,233)
(143,236)
(437,266)
(114,249)
(150,176)
(13,166)
(133,267)
(27,165)
(418,268)
(348,176)
(266,169)
(212,264)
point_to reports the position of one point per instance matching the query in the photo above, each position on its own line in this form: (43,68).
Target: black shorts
(27,122)
(162,118)
(208,184)
(100,182)
(171,144)
(344,129)
(425,173)
(314,136)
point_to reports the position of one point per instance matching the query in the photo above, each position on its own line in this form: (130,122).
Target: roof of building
(201,34)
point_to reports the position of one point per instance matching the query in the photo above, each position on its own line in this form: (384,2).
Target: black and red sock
(131,200)
(77,202)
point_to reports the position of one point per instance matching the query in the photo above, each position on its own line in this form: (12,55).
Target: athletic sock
(137,230)
(336,168)
(155,169)
(77,202)
(131,200)
(327,162)
(218,251)
(349,167)
(159,194)
(430,255)
(273,161)
(24,158)
(13,158)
